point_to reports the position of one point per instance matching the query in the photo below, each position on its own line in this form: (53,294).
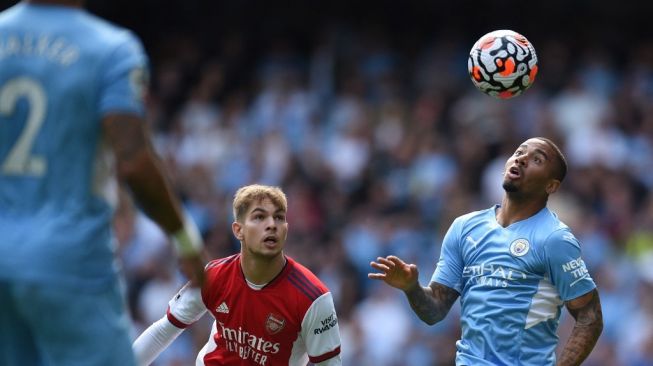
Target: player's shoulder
(550,224)
(12,13)
(551,230)
(304,280)
(551,217)
(222,264)
(106,32)
(55,17)
(562,234)
(475,216)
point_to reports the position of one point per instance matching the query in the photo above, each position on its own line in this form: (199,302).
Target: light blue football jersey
(61,70)
(512,283)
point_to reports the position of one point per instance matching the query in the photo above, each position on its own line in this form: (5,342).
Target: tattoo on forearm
(588,327)
(431,304)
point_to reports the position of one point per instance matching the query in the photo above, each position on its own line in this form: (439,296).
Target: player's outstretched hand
(192,266)
(395,272)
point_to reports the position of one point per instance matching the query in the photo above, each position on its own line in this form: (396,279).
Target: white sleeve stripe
(585,277)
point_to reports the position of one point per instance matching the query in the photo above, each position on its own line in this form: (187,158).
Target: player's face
(264,230)
(530,170)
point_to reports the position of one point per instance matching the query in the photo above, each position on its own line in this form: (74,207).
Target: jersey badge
(519,247)
(274,323)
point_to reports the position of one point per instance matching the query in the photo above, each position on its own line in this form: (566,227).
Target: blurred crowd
(379,145)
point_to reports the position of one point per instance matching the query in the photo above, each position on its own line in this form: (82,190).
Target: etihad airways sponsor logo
(493,275)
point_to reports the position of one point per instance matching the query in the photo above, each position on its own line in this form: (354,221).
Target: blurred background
(363,112)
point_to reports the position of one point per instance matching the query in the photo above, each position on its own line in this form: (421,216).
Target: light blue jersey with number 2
(513,282)
(61,70)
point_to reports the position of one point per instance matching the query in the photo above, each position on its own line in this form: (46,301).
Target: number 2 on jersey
(20,161)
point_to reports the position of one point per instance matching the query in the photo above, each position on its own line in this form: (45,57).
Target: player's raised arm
(139,167)
(431,304)
(578,291)
(586,310)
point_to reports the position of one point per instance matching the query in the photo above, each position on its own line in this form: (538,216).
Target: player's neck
(513,210)
(71,3)
(260,270)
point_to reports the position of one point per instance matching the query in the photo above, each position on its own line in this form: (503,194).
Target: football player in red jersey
(268,308)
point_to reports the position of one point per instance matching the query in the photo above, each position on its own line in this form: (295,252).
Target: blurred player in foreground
(513,265)
(268,309)
(71,92)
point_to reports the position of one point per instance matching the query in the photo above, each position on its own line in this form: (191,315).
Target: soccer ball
(502,64)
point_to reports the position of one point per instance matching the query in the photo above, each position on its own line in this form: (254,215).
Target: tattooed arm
(431,304)
(586,310)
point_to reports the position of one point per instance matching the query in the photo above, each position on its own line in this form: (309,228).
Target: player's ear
(237,229)
(552,186)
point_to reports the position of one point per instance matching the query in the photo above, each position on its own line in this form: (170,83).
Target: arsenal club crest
(274,323)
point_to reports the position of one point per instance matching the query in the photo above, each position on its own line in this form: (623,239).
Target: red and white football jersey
(289,321)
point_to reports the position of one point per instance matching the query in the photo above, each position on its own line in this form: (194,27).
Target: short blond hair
(247,195)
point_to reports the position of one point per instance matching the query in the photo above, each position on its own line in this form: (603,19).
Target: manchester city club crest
(274,323)
(519,247)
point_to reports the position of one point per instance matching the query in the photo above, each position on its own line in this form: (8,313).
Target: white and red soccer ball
(502,64)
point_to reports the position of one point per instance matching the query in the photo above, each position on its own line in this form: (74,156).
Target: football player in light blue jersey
(71,93)
(513,265)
